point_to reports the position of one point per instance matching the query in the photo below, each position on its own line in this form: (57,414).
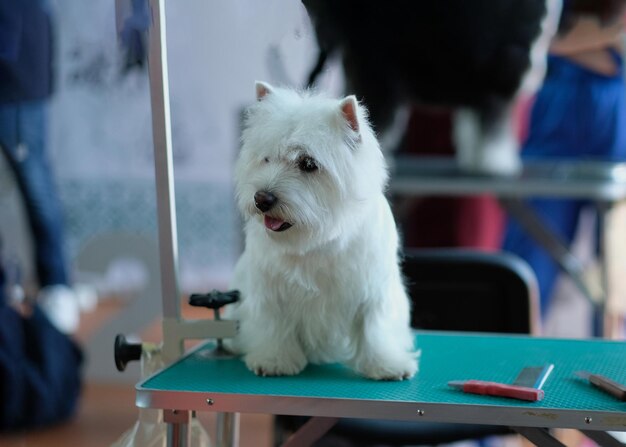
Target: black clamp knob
(214,300)
(125,352)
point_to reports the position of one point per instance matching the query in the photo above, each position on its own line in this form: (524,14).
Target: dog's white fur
(329,288)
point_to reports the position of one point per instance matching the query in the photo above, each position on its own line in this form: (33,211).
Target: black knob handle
(125,352)
(214,299)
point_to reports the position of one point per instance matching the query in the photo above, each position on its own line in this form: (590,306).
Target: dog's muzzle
(264,200)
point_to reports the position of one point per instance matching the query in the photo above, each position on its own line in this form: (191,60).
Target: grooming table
(199,382)
(602,183)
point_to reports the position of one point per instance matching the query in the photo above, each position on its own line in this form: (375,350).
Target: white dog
(319,277)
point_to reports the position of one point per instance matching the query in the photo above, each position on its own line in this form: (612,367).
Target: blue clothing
(25,50)
(40,378)
(578,114)
(25,85)
(23,142)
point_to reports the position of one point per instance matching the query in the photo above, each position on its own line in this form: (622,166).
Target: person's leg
(3,281)
(23,141)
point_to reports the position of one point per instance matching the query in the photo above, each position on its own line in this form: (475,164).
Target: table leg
(604,212)
(611,258)
(603,439)
(538,436)
(178,427)
(227,430)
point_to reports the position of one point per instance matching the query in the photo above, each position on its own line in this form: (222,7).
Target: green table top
(333,390)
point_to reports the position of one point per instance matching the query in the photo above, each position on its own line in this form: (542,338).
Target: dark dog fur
(471,53)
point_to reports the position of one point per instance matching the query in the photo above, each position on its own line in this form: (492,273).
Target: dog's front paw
(389,368)
(275,365)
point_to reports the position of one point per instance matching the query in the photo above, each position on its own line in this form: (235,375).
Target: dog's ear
(262,89)
(349,107)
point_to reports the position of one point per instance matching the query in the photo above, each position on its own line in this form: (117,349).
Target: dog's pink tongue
(272,223)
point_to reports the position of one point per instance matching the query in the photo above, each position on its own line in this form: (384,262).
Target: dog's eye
(266,159)
(307,164)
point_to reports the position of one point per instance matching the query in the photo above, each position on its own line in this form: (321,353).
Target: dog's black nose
(264,200)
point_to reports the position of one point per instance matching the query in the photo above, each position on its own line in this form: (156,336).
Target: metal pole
(554,245)
(177,435)
(178,428)
(602,438)
(604,320)
(227,430)
(164,174)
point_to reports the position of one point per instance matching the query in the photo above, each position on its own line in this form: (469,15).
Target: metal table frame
(201,382)
(177,408)
(602,183)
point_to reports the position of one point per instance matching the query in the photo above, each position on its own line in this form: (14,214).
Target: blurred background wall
(100,125)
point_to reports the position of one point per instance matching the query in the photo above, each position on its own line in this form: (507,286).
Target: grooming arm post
(164,174)
(173,340)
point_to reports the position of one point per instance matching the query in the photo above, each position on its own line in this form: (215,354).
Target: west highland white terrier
(319,276)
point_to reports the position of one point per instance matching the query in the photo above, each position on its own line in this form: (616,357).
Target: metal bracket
(539,436)
(314,429)
(176,416)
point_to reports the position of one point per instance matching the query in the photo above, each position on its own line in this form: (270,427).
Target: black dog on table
(471,55)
